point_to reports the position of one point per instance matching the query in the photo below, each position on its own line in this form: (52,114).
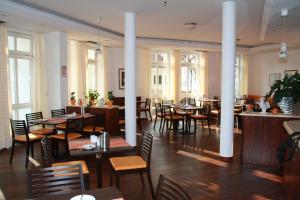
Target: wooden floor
(191,160)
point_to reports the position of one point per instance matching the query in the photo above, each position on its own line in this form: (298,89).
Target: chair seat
(43,131)
(198,116)
(174,117)
(32,137)
(70,136)
(90,129)
(216,112)
(83,164)
(61,126)
(127,163)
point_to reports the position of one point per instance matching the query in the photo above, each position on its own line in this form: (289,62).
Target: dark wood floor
(191,160)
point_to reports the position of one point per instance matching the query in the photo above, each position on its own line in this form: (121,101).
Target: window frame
(94,62)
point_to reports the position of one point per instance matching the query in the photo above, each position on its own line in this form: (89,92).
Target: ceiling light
(283,46)
(99,47)
(190,25)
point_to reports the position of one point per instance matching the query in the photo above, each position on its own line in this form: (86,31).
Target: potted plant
(286,93)
(72,98)
(110,98)
(92,96)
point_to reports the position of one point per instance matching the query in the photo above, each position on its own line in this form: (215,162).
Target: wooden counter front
(110,114)
(261,136)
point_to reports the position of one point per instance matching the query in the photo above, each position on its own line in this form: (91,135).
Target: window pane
(11,43)
(23,44)
(24,92)
(91,54)
(12,74)
(23,112)
(184,79)
(91,76)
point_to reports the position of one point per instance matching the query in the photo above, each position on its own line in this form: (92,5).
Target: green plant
(289,86)
(92,95)
(72,95)
(110,95)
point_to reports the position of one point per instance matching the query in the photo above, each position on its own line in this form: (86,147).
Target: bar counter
(262,133)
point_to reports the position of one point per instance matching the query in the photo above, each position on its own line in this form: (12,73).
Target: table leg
(99,170)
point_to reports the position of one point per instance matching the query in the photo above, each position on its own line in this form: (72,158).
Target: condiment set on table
(101,141)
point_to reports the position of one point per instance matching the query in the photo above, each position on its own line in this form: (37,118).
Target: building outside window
(20,64)
(160,64)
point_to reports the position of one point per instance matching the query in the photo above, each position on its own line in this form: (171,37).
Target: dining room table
(117,145)
(108,193)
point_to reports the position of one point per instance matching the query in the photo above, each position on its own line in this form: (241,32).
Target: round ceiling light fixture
(190,25)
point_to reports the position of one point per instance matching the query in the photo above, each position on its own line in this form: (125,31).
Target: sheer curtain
(244,74)
(203,74)
(77,65)
(5,103)
(175,75)
(100,78)
(39,97)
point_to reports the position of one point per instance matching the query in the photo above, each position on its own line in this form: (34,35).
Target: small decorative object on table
(286,93)
(110,98)
(264,105)
(72,98)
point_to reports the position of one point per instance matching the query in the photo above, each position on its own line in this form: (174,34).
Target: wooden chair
(158,114)
(172,118)
(59,113)
(146,108)
(33,126)
(192,102)
(135,164)
(204,115)
(73,131)
(20,134)
(92,129)
(46,182)
(168,189)
(47,147)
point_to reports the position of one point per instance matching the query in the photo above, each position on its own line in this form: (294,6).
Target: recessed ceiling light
(190,25)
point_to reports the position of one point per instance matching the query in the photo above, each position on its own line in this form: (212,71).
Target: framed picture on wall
(273,77)
(290,73)
(121,78)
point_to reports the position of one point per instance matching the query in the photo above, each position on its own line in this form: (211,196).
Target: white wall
(262,64)
(115,60)
(55,57)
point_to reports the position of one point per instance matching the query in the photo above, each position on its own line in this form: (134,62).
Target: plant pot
(72,102)
(109,103)
(286,105)
(92,102)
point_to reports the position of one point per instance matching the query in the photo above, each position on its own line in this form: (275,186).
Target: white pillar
(56,69)
(227,88)
(130,90)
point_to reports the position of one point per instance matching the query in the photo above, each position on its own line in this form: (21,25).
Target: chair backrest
(168,189)
(47,148)
(207,110)
(44,182)
(33,116)
(58,112)
(74,125)
(168,102)
(145,147)
(158,108)
(184,101)
(192,102)
(148,103)
(167,110)
(18,127)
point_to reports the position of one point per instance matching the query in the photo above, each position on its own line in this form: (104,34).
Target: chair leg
(150,182)
(111,178)
(146,115)
(202,125)
(67,150)
(150,116)
(117,180)
(161,121)
(142,178)
(155,122)
(87,181)
(12,152)
(27,154)
(208,126)
(195,128)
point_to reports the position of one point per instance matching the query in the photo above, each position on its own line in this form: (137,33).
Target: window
(160,62)
(237,77)
(91,68)
(20,64)
(189,63)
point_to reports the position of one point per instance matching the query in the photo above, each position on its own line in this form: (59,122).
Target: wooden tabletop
(59,120)
(109,193)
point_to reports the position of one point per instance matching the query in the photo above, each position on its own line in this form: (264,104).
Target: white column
(227,87)
(130,90)
(55,62)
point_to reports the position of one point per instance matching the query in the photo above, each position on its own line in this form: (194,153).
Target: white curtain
(77,65)
(5,103)
(175,75)
(100,76)
(203,75)
(39,97)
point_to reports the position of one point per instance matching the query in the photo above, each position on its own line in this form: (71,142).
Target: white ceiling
(166,22)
